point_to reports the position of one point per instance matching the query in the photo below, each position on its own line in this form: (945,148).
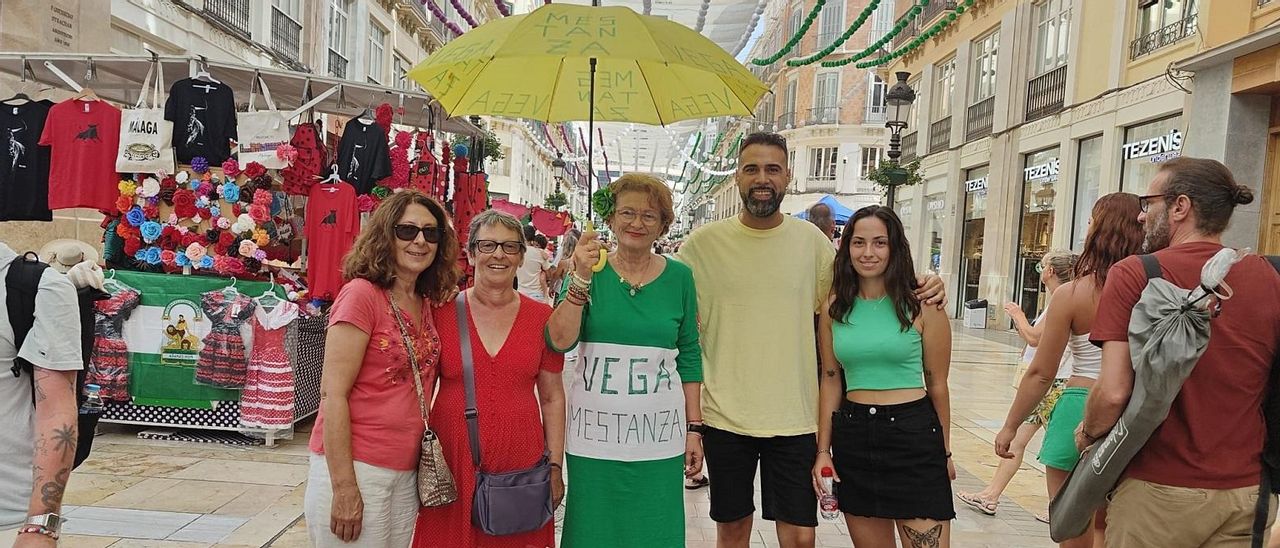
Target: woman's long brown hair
(1114,234)
(899,276)
(373,255)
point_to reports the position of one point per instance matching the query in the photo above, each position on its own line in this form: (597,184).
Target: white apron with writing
(626,403)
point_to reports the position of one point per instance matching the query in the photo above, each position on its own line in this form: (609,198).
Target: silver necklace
(636,287)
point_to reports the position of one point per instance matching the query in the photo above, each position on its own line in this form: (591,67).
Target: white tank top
(1064,365)
(1087,357)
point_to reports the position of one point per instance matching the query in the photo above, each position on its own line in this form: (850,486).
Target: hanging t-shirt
(24,164)
(84,137)
(204,120)
(332,223)
(363,156)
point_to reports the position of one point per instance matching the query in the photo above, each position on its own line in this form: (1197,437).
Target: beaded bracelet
(38,529)
(579,280)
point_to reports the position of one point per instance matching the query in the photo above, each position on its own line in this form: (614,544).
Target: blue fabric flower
(230,192)
(206,261)
(202,201)
(140,255)
(135,216)
(152,255)
(215,211)
(181,259)
(150,231)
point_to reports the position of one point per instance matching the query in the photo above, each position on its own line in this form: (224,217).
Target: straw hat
(65,253)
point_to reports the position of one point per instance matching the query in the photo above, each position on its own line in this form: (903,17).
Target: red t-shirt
(1212,438)
(332,225)
(84,138)
(386,421)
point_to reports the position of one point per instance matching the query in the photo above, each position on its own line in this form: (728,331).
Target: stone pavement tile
(133,446)
(177,495)
(268,524)
(149,465)
(245,471)
(254,500)
(86,488)
(293,537)
(123,522)
(208,529)
(145,543)
(85,541)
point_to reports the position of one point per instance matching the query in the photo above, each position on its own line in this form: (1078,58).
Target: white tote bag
(261,132)
(146,138)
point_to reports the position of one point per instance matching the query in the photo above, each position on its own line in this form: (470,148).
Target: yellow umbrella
(553,63)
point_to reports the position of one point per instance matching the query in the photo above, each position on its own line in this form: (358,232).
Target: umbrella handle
(591,129)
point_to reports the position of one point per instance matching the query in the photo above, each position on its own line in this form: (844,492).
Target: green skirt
(1059,448)
(613,504)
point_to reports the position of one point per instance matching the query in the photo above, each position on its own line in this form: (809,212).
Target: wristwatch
(50,521)
(698,428)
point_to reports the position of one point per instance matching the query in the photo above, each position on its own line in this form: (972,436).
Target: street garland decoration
(697,139)
(893,33)
(466,15)
(936,29)
(715,145)
(502,8)
(440,15)
(848,33)
(795,39)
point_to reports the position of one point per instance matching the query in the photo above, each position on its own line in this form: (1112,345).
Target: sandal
(1043,517)
(987,507)
(697,483)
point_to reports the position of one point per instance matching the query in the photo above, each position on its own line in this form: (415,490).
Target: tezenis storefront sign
(1164,147)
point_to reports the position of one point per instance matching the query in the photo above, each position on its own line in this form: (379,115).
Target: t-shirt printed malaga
(84,137)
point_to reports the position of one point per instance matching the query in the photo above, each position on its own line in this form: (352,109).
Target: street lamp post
(898,100)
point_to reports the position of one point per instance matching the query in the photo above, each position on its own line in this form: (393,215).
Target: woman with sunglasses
(517,387)
(1114,233)
(361,487)
(635,387)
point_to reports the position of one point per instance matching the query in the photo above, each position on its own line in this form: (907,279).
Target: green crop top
(874,350)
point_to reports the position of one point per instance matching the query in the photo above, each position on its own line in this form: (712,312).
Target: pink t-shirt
(386,423)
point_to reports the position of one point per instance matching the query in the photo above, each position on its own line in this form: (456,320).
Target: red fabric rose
(124,203)
(183,198)
(259,213)
(169,183)
(132,245)
(225,239)
(151,212)
(254,170)
(167,257)
(190,238)
(262,197)
(185,211)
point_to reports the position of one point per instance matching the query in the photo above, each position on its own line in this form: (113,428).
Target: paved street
(143,493)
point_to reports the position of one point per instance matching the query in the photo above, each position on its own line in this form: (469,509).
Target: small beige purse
(435,481)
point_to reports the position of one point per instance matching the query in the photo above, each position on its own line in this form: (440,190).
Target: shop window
(1088,183)
(1145,147)
(1039,179)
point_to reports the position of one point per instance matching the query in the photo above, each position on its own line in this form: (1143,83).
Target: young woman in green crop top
(887,433)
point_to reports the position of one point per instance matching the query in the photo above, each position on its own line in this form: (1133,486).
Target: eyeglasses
(490,246)
(1144,202)
(1039,268)
(409,233)
(629,216)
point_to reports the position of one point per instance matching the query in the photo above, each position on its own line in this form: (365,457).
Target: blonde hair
(1063,264)
(373,257)
(657,191)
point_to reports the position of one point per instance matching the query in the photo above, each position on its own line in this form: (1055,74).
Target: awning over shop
(839,211)
(118,78)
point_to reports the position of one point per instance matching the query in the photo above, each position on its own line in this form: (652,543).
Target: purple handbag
(505,503)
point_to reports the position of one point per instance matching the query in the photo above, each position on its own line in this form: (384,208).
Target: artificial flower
(381,192)
(244,223)
(223,223)
(169,183)
(248,248)
(168,257)
(225,239)
(263,183)
(123,203)
(173,218)
(202,201)
(261,237)
(135,216)
(182,177)
(287,153)
(182,230)
(153,255)
(150,231)
(260,255)
(259,213)
(151,211)
(195,251)
(197,218)
(123,230)
(205,189)
(365,203)
(150,187)
(231,167)
(230,192)
(140,255)
(131,246)
(236,266)
(181,259)
(214,211)
(254,170)
(262,197)
(186,211)
(200,164)
(127,188)
(212,235)
(190,238)
(183,198)
(206,262)
(252,265)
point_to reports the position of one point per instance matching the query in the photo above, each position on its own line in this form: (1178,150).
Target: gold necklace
(636,287)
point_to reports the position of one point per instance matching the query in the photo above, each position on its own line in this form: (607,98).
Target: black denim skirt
(892,461)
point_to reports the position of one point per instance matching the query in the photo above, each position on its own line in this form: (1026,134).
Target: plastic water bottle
(827,503)
(93,403)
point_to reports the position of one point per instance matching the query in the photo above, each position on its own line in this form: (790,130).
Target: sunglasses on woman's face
(409,233)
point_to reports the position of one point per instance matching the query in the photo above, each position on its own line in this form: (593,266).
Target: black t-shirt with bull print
(204,120)
(24,164)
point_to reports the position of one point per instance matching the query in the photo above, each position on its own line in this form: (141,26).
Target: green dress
(625,438)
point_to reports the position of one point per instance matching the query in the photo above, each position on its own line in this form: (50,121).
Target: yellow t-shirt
(757,294)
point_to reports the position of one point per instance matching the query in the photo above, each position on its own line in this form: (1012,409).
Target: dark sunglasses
(409,233)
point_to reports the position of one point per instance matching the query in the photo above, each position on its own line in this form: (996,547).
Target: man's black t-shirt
(24,164)
(363,156)
(204,119)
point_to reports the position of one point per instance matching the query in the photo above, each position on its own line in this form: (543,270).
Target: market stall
(227,206)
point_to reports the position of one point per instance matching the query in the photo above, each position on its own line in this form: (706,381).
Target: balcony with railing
(1263,2)
(978,120)
(1046,93)
(337,65)
(1169,34)
(909,147)
(286,35)
(940,135)
(822,115)
(232,14)
(876,115)
(441,30)
(787,121)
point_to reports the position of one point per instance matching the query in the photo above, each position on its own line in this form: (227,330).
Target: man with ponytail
(1196,481)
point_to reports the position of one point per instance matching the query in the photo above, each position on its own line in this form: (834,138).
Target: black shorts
(786,481)
(892,461)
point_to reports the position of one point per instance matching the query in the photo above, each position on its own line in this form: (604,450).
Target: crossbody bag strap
(1151,265)
(413,358)
(468,378)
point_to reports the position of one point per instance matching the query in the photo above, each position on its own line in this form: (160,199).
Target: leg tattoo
(926,539)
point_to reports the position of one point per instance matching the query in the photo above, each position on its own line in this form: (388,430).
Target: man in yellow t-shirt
(761,277)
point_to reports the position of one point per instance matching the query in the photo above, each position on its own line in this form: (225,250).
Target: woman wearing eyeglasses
(634,408)
(362,481)
(510,360)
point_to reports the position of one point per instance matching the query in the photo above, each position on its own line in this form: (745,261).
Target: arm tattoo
(40,395)
(51,491)
(927,539)
(64,439)
(832,372)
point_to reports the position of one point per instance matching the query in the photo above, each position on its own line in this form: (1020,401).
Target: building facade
(1026,113)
